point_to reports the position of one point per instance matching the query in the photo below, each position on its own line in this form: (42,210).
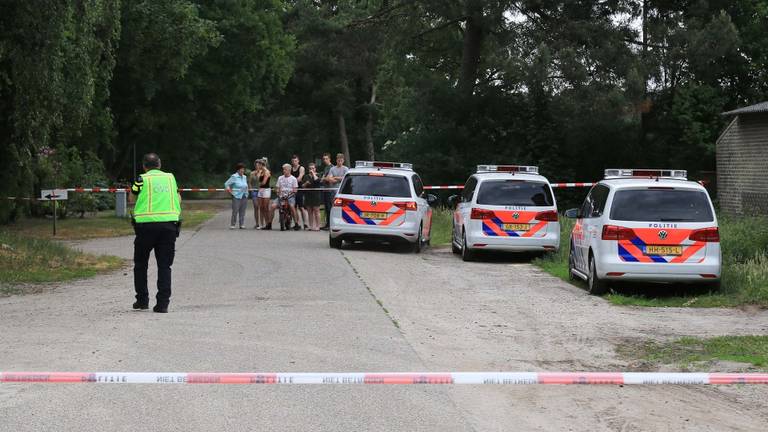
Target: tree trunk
(474,33)
(645,105)
(343,136)
(369,125)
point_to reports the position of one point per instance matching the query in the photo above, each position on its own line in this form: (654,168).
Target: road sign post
(54,195)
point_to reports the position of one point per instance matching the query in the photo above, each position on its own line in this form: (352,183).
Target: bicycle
(284,208)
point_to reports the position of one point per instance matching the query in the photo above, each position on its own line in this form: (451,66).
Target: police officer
(157,223)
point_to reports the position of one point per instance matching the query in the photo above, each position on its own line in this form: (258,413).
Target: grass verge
(442,224)
(105,224)
(697,354)
(29,260)
(744,244)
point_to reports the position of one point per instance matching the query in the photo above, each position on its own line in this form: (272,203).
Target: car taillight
(478,213)
(407,205)
(709,235)
(340,202)
(613,232)
(547,216)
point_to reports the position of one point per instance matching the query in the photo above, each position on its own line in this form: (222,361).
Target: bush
(743,238)
(65,167)
(744,243)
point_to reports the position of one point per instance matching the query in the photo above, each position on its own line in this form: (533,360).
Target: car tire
(416,247)
(595,285)
(466,253)
(335,243)
(454,246)
(571,265)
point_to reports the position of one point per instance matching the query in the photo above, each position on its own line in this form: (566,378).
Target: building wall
(742,166)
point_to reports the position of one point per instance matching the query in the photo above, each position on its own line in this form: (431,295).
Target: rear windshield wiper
(675,220)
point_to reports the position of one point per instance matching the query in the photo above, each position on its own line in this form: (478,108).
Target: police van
(384,202)
(645,225)
(505,208)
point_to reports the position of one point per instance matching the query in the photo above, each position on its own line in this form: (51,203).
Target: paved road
(271,301)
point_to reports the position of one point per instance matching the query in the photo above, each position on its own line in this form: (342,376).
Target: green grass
(744,242)
(29,260)
(690,353)
(442,224)
(105,224)
(28,256)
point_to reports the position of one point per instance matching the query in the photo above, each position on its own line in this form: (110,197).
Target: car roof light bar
(377,164)
(615,173)
(525,169)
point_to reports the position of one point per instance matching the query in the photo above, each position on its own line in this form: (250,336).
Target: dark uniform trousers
(160,236)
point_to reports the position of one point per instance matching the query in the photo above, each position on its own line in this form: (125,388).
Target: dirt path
(498,316)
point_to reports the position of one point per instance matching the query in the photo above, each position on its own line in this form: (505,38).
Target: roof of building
(753,109)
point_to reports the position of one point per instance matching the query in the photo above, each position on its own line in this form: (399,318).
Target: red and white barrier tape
(504,378)
(212,190)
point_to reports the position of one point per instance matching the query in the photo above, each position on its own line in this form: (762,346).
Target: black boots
(157,308)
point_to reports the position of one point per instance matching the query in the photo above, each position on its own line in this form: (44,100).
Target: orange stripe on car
(635,251)
(689,252)
(357,219)
(392,217)
(536,228)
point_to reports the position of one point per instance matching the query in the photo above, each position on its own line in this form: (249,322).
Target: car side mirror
(431,199)
(572,213)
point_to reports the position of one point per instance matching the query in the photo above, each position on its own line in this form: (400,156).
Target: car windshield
(661,205)
(376,185)
(515,192)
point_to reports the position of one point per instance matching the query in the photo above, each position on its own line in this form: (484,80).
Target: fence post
(121,204)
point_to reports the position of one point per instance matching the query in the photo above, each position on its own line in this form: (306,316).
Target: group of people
(300,191)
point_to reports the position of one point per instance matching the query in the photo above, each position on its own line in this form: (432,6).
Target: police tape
(210,190)
(213,190)
(494,378)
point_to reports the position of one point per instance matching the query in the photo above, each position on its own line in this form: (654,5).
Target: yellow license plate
(375,215)
(516,227)
(663,250)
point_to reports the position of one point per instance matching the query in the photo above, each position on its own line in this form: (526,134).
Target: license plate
(663,250)
(375,215)
(516,227)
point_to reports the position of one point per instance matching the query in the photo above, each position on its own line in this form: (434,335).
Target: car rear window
(661,205)
(514,192)
(376,185)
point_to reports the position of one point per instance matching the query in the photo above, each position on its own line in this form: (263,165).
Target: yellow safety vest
(159,199)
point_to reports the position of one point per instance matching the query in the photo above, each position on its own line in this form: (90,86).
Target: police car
(381,201)
(506,208)
(645,225)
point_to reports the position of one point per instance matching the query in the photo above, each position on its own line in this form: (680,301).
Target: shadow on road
(651,291)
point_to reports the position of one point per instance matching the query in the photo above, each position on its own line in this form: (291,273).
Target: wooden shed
(742,162)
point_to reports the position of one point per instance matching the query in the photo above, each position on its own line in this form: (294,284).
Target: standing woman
(237,186)
(253,192)
(312,199)
(264,193)
(298,171)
